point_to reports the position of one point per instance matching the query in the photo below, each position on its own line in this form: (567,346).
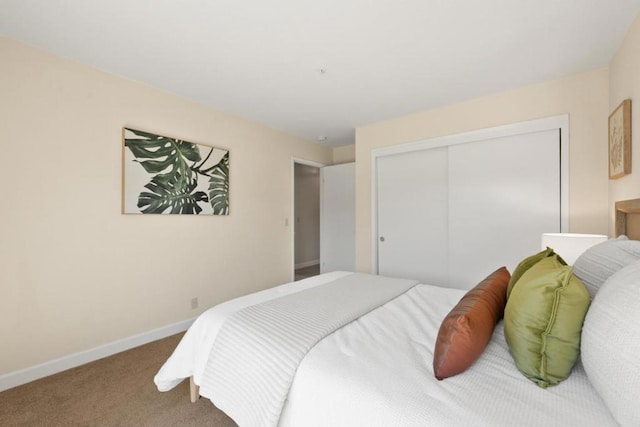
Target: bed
(374,367)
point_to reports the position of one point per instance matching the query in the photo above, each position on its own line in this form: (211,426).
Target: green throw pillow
(526,264)
(543,321)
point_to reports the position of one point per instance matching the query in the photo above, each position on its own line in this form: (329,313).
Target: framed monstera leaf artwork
(620,140)
(164,175)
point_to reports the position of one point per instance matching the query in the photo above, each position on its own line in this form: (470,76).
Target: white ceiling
(262,60)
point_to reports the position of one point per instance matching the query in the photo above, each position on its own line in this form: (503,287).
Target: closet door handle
(382,238)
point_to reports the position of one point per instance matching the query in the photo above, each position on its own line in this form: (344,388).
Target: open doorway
(306,219)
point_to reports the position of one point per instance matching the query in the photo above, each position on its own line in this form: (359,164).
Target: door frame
(560,122)
(291,221)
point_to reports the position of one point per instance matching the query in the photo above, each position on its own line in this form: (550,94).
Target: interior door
(412,215)
(338,218)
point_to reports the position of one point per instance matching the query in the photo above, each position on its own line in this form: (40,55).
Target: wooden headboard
(628,218)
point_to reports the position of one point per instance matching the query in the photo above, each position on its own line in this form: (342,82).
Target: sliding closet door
(453,209)
(412,215)
(503,194)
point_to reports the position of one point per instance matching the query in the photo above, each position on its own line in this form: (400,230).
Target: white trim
(374,211)
(307,263)
(322,218)
(291,220)
(564,173)
(560,122)
(23,376)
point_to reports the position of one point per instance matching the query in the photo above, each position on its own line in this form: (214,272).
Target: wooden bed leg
(194,391)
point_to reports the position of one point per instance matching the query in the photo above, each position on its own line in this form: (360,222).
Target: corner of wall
(344,154)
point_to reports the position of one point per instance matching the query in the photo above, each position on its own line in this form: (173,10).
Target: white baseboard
(307,264)
(23,376)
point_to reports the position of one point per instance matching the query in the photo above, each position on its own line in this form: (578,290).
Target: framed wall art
(164,175)
(620,140)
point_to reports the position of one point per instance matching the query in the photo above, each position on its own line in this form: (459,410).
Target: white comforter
(191,355)
(377,371)
(257,351)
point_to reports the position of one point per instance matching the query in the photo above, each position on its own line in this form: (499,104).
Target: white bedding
(377,371)
(190,357)
(258,349)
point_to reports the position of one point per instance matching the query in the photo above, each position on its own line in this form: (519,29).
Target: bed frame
(628,218)
(194,391)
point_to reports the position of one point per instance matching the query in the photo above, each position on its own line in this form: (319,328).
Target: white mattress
(377,371)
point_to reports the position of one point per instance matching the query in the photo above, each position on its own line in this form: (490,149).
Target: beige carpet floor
(304,272)
(114,391)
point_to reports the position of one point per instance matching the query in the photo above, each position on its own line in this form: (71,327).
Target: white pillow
(599,262)
(611,344)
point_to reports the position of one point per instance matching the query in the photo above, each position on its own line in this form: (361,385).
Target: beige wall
(345,154)
(76,273)
(624,83)
(584,97)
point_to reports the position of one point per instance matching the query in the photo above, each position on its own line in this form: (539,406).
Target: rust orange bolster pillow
(467,329)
